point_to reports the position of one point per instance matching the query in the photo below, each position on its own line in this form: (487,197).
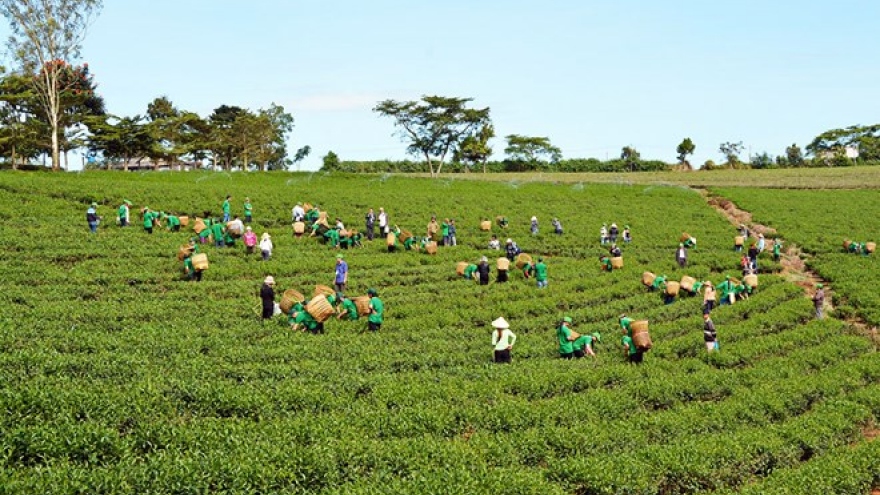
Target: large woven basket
(390,239)
(870,246)
(642,340)
(672,288)
(460,267)
(846,244)
(299,228)
(684,236)
(503,263)
(639,326)
(200,261)
(324,290)
(289,298)
(183,251)
(751,280)
(307,207)
(500,221)
(184,221)
(522,259)
(320,308)
(648,278)
(404,235)
(234,230)
(687,283)
(485,225)
(739,240)
(363,305)
(617,262)
(431,247)
(199,226)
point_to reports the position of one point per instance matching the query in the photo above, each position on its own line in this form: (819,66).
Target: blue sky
(594,76)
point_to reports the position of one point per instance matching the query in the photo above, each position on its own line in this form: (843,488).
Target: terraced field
(116,376)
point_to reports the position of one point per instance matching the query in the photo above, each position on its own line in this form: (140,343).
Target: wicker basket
(672,288)
(642,340)
(648,278)
(684,236)
(500,221)
(870,247)
(363,305)
(390,239)
(431,247)
(617,262)
(234,230)
(739,240)
(289,298)
(299,228)
(460,267)
(307,207)
(639,326)
(320,308)
(322,217)
(751,280)
(687,283)
(324,290)
(199,226)
(184,221)
(404,235)
(200,261)
(485,225)
(846,244)
(503,264)
(522,259)
(183,251)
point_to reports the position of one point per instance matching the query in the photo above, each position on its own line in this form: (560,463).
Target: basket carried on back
(324,290)
(522,259)
(460,267)
(751,280)
(684,236)
(404,235)
(672,288)
(870,246)
(846,244)
(739,240)
(184,251)
(299,228)
(363,305)
(503,264)
(234,229)
(320,308)
(617,262)
(687,283)
(500,221)
(184,221)
(289,298)
(648,278)
(307,207)
(639,326)
(390,239)
(431,247)
(485,225)
(641,338)
(200,261)
(199,226)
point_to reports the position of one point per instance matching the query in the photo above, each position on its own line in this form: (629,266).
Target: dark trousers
(637,357)
(502,356)
(567,355)
(502,276)
(340,287)
(682,262)
(374,327)
(708,307)
(370,233)
(392,248)
(196,275)
(248,219)
(579,353)
(268,309)
(149,230)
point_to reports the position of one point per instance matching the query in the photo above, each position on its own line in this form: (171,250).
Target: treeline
(568,165)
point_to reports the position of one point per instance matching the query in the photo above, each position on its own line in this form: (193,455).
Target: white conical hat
(501,323)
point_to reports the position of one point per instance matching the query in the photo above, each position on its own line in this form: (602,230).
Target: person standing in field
(777,249)
(819,300)
(511,249)
(710,336)
(483,271)
(341,278)
(613,233)
(370,224)
(377,311)
(92,218)
(583,345)
(603,234)
(494,243)
(149,219)
(444,232)
(534,226)
(452,231)
(761,243)
(501,277)
(266,246)
(557,226)
(218,231)
(124,213)
(267,296)
(383,222)
(502,340)
(681,256)
(298,213)
(565,337)
(227,209)
(248,210)
(627,236)
(541,273)
(753,256)
(250,240)
(708,297)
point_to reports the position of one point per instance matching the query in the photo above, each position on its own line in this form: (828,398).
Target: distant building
(145,163)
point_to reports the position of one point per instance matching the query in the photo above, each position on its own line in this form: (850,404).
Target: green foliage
(864,138)
(530,152)
(731,152)
(685,148)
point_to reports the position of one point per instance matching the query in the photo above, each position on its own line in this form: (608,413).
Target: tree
(330,162)
(474,148)
(731,152)
(794,157)
(685,148)
(219,139)
(125,140)
(529,153)
(18,132)
(865,139)
(46,36)
(301,155)
(434,125)
(631,157)
(762,160)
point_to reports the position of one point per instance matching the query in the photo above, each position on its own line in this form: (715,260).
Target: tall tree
(631,157)
(474,148)
(126,139)
(731,152)
(18,132)
(46,36)
(794,156)
(685,148)
(864,138)
(433,125)
(529,152)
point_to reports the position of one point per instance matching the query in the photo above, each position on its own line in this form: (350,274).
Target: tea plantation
(117,376)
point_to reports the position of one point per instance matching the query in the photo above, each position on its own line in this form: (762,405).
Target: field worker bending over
(615,251)
(124,213)
(301,319)
(150,218)
(250,241)
(377,311)
(266,246)
(583,345)
(469,271)
(690,242)
(502,340)
(633,354)
(625,323)
(188,269)
(172,222)
(566,337)
(267,296)
(348,308)
(658,283)
(528,270)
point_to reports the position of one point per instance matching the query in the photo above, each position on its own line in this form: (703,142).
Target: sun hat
(597,336)
(270,280)
(248,229)
(126,202)
(509,240)
(266,235)
(339,256)
(372,292)
(94,204)
(501,324)
(622,315)
(567,319)
(484,259)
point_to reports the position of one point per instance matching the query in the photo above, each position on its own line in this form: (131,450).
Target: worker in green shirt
(203,235)
(503,223)
(742,291)
(149,219)
(227,209)
(349,309)
(634,355)
(528,270)
(690,243)
(541,273)
(583,345)
(625,324)
(377,311)
(332,237)
(172,223)
(409,243)
(217,231)
(469,271)
(606,263)
(188,268)
(248,210)
(291,315)
(659,282)
(777,249)
(312,215)
(124,213)
(444,232)
(696,288)
(303,320)
(228,239)
(566,338)
(726,288)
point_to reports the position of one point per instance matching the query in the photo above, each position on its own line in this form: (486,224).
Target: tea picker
(92,218)
(377,311)
(267,296)
(583,345)
(502,340)
(349,309)
(565,336)
(123,214)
